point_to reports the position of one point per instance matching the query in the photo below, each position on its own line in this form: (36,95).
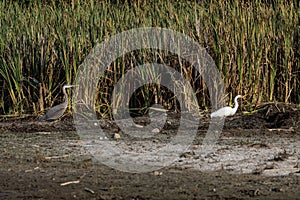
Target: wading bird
(57,111)
(227,111)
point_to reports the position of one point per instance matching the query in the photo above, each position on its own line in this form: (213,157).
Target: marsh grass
(255,45)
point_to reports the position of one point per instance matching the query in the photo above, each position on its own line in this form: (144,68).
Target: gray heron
(227,111)
(58,110)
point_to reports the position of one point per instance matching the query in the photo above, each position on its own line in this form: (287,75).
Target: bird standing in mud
(227,111)
(57,111)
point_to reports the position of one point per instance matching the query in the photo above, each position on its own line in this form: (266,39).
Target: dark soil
(258,157)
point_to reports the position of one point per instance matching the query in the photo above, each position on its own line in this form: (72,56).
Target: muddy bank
(257,156)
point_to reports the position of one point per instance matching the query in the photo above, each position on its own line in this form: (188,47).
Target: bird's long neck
(66,95)
(236,104)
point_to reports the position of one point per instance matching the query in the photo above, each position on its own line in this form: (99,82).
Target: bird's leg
(52,122)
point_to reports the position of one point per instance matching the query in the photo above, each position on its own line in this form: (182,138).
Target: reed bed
(255,45)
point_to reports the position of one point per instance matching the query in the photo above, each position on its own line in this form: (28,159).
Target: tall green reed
(42,44)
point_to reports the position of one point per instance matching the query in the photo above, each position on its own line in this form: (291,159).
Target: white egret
(57,111)
(227,111)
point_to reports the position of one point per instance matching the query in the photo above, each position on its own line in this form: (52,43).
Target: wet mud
(257,156)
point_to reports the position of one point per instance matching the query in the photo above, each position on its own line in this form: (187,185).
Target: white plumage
(227,111)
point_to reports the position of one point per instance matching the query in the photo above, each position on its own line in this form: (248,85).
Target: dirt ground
(257,157)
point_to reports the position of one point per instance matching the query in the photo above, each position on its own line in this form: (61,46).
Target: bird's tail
(43,118)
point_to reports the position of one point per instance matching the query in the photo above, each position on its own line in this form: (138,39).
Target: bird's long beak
(69,86)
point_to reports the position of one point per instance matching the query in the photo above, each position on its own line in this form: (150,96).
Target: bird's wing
(222,112)
(55,112)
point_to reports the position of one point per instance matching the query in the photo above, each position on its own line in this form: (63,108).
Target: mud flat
(257,156)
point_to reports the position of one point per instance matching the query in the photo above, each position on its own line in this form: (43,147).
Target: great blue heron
(58,110)
(227,111)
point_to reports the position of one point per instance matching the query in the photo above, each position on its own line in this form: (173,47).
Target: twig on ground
(69,182)
(56,157)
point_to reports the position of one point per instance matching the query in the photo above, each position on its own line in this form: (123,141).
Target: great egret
(57,111)
(227,111)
